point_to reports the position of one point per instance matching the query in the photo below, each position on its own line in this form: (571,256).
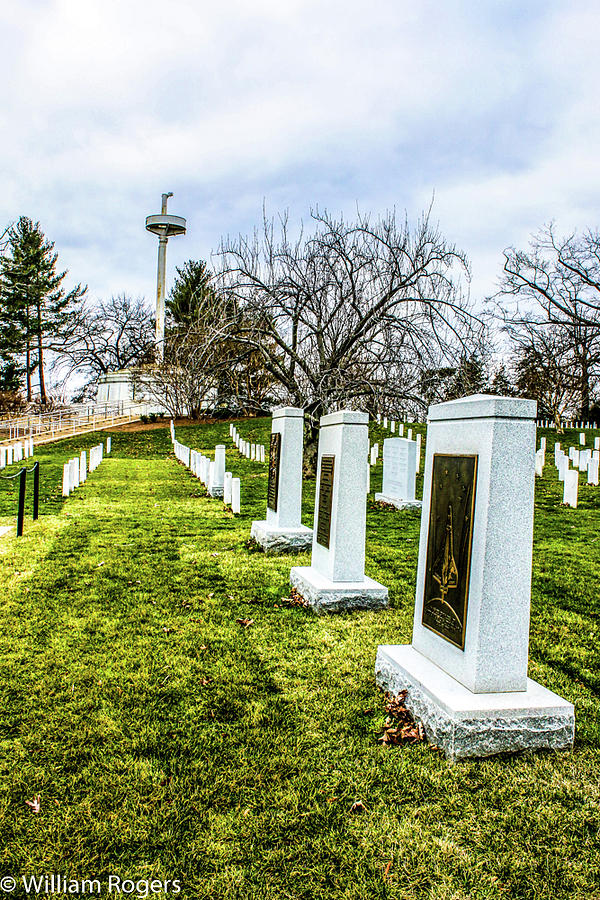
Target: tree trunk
(584,410)
(28,369)
(312,415)
(28,354)
(43,398)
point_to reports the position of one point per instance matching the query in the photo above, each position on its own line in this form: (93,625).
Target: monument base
(216,492)
(399,504)
(326,596)
(281,540)
(464,724)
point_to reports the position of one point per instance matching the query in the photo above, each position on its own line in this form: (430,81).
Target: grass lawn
(168,741)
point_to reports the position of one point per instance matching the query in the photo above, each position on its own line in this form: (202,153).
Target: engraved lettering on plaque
(273,485)
(325,500)
(449,544)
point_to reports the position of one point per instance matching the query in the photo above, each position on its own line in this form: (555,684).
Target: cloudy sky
(491,106)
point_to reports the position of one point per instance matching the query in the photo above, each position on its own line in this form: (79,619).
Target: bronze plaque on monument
(273,485)
(325,498)
(449,543)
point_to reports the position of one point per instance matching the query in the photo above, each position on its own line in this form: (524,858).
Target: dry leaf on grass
(34,804)
(399,726)
(246,623)
(295,599)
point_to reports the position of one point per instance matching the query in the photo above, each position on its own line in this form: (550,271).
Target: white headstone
(66,482)
(2,457)
(203,469)
(401,430)
(218,473)
(74,481)
(336,580)
(392,426)
(465,673)
(282,530)
(399,473)
(235,495)
(563,465)
(82,466)
(409,435)
(592,470)
(539,462)
(418,441)
(9,455)
(108,445)
(584,457)
(582,438)
(571,487)
(227,488)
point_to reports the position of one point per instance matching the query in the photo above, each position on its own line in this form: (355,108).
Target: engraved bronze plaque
(273,485)
(325,498)
(449,543)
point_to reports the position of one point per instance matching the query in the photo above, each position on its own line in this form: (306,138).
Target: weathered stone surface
(399,504)
(216,491)
(281,540)
(464,724)
(326,596)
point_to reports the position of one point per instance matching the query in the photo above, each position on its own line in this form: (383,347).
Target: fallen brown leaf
(399,726)
(245,622)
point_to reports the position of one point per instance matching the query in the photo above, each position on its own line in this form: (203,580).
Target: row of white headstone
(391,424)
(76,470)
(211,472)
(546,423)
(586,460)
(464,677)
(246,448)
(16,452)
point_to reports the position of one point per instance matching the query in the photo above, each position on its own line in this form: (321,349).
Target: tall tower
(164,226)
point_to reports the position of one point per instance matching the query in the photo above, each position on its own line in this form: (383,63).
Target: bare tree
(106,336)
(550,298)
(351,314)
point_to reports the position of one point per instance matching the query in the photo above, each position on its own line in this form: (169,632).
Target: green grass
(167,741)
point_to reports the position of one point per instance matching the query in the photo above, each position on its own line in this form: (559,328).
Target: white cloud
(299,102)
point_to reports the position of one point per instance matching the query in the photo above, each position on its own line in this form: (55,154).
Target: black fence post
(21,511)
(36,489)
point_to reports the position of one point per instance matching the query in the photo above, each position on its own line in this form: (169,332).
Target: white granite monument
(336,581)
(283,530)
(215,489)
(465,672)
(399,474)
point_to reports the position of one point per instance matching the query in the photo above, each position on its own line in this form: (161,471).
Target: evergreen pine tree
(36,308)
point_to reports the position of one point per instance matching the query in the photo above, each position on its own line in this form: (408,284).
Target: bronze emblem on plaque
(273,485)
(325,498)
(449,543)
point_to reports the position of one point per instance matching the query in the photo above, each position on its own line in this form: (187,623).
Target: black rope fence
(22,476)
